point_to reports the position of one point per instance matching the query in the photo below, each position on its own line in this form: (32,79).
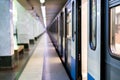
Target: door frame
(78,40)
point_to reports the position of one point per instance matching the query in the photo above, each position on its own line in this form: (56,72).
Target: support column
(6,34)
(22,25)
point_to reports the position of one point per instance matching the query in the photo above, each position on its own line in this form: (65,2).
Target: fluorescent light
(43,11)
(45,22)
(42,1)
(44,14)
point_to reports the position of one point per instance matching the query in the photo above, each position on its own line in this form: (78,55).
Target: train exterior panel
(66,31)
(112,59)
(84,39)
(86,35)
(94,39)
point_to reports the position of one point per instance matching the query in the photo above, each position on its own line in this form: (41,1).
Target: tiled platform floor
(44,63)
(13,74)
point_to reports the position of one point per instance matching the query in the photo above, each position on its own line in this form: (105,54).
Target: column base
(7,62)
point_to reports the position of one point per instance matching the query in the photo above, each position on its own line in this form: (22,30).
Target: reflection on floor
(52,68)
(44,64)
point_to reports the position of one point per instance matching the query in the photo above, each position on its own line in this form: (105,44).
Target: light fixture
(42,1)
(44,14)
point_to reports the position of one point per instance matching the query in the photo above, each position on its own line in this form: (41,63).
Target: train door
(57,24)
(68,35)
(112,40)
(61,34)
(94,40)
(64,35)
(75,40)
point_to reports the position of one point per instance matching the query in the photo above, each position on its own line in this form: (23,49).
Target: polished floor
(13,74)
(44,64)
(40,62)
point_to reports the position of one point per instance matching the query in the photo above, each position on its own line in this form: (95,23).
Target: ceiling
(52,8)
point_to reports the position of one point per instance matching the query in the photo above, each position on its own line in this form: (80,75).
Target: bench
(19,51)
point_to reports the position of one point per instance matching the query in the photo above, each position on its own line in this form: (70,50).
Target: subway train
(86,35)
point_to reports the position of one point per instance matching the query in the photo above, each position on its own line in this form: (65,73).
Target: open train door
(94,40)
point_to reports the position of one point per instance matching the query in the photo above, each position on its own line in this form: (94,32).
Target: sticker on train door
(90,77)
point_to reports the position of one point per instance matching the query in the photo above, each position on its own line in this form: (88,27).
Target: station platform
(43,64)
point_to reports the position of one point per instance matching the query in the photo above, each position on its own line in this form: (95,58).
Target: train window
(93,23)
(69,24)
(115,30)
(73,21)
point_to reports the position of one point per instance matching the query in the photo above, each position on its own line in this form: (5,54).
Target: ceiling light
(44,14)
(42,1)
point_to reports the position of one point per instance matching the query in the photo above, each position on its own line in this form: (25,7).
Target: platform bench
(19,51)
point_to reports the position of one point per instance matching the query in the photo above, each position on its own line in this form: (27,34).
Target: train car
(103,40)
(73,39)
(112,40)
(94,40)
(87,39)
(68,37)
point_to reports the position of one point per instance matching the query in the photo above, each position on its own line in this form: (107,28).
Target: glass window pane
(69,33)
(73,21)
(115,30)
(93,25)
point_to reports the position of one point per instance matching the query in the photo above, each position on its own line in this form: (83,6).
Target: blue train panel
(73,70)
(90,77)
